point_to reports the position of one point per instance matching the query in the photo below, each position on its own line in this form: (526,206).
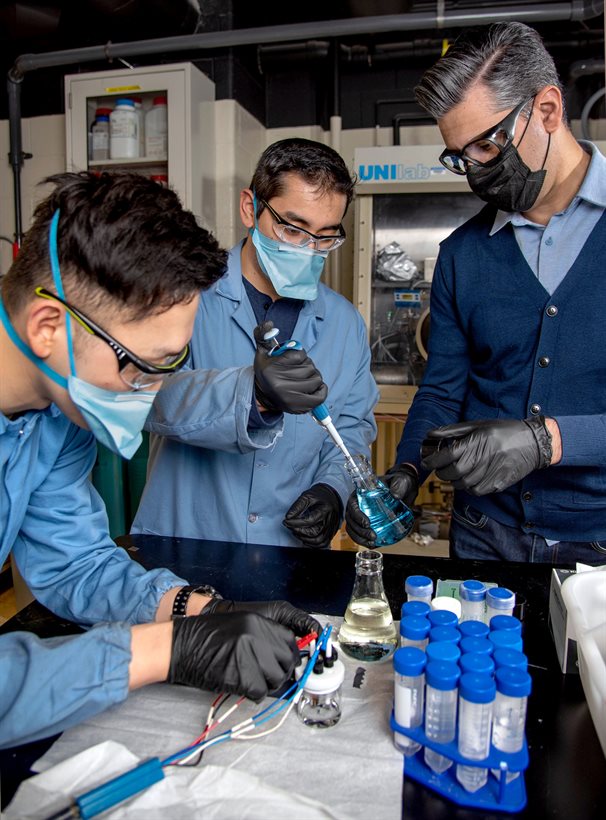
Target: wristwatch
(183,596)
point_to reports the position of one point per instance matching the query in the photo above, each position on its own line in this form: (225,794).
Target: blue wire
(296,686)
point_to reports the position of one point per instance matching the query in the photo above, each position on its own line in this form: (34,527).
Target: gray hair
(509,58)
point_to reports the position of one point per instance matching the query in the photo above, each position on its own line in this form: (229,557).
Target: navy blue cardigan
(502,347)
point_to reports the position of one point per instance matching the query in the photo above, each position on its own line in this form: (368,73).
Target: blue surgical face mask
(114,418)
(294,272)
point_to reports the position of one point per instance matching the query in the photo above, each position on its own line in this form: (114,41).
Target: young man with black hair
(266,473)
(96,312)
(513,402)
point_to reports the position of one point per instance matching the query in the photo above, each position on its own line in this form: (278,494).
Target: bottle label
(403,706)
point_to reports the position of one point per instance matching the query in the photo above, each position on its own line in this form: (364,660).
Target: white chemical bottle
(100,138)
(156,130)
(124,131)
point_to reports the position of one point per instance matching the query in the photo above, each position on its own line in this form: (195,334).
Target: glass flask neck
(361,473)
(369,576)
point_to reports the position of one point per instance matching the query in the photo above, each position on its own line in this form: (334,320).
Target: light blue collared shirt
(552,249)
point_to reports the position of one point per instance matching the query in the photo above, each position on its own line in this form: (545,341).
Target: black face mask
(508,183)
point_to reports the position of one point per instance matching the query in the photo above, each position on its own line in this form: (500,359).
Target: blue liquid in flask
(390,519)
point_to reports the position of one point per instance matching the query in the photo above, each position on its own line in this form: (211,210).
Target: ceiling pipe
(416,21)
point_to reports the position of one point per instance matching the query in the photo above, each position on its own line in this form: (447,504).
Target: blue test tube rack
(496,795)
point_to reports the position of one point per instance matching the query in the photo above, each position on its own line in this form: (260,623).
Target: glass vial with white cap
(418,588)
(472,595)
(440,710)
(509,719)
(499,601)
(409,685)
(476,704)
(320,702)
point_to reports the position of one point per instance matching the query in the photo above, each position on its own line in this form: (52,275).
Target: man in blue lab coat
(265,472)
(121,249)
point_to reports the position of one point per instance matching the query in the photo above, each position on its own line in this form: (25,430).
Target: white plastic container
(156,130)
(509,718)
(100,138)
(440,710)
(585,597)
(409,684)
(476,703)
(124,131)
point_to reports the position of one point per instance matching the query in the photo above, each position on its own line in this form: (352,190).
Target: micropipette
(319,413)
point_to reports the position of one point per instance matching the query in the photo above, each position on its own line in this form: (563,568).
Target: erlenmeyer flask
(390,519)
(368,632)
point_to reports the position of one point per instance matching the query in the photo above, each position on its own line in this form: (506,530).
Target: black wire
(67,813)
(198,759)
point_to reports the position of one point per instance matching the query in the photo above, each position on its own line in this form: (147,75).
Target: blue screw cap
(513,682)
(444,633)
(472,591)
(442,617)
(476,663)
(477,688)
(418,585)
(415,608)
(414,628)
(442,675)
(500,598)
(512,658)
(409,661)
(506,623)
(505,640)
(481,645)
(443,651)
(473,629)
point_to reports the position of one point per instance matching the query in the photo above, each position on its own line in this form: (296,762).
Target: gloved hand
(241,654)
(403,483)
(281,612)
(489,456)
(315,516)
(289,383)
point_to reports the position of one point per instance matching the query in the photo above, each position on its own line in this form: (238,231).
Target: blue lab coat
(55,523)
(211,475)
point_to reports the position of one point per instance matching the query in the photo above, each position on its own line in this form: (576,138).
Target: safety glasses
(298,236)
(487,147)
(134,372)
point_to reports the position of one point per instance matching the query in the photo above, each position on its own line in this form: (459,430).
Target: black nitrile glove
(403,483)
(241,654)
(489,456)
(315,516)
(289,383)
(297,620)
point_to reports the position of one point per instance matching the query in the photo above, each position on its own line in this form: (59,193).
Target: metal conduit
(417,21)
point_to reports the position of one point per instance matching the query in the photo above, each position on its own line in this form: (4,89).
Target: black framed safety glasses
(293,235)
(134,371)
(488,146)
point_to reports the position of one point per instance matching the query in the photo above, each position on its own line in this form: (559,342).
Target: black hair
(509,58)
(317,163)
(122,238)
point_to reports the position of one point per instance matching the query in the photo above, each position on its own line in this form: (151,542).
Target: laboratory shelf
(139,162)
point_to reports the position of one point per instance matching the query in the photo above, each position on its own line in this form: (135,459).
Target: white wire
(244,736)
(197,751)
